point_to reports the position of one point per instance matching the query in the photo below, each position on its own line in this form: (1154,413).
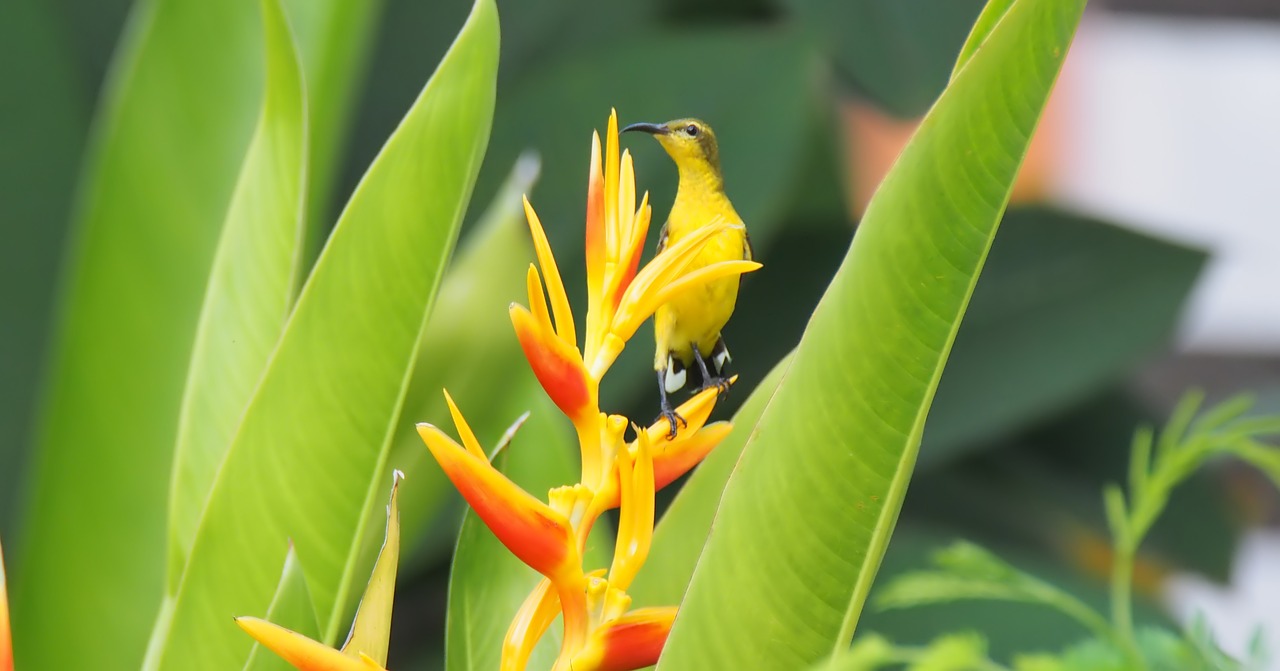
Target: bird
(687,330)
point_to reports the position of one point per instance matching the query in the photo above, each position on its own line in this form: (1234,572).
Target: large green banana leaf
(167,146)
(168,143)
(251,289)
(304,463)
(808,512)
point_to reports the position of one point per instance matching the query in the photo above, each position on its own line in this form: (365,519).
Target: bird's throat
(701,192)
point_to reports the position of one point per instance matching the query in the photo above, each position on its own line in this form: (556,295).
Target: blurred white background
(1171,125)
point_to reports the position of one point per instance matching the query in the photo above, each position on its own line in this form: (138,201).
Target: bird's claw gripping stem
(721,385)
(673,420)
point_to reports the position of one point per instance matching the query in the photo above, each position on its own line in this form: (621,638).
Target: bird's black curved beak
(651,128)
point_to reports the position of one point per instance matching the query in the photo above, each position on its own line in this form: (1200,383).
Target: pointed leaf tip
(371,630)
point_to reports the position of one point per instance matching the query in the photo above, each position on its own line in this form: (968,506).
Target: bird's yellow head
(689,142)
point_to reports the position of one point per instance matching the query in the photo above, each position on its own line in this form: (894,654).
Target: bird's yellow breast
(698,315)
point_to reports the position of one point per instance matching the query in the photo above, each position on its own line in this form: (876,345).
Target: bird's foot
(674,420)
(721,384)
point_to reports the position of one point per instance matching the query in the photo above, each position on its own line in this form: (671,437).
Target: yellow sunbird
(688,328)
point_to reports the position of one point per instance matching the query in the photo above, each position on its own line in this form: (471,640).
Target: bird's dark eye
(691,130)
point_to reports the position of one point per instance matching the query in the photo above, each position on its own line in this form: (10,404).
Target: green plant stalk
(1180,449)
(1122,603)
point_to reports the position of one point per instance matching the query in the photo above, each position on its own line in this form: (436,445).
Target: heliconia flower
(632,641)
(599,633)
(6,639)
(302,652)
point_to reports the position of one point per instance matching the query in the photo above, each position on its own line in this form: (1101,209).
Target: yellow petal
(555,286)
(595,242)
(640,300)
(533,619)
(626,204)
(538,299)
(464,430)
(611,186)
(635,514)
(300,651)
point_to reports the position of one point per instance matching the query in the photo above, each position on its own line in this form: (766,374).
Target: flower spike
(599,632)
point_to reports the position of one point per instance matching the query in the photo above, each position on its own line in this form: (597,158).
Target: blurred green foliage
(1031,390)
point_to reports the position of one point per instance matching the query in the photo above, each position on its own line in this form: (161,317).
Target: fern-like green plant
(1159,462)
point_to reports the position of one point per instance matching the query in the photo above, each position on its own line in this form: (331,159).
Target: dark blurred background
(1136,260)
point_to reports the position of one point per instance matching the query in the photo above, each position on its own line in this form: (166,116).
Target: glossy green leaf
(470,349)
(250,292)
(305,460)
(817,491)
(371,630)
(334,39)
(991,14)
(488,584)
(177,114)
(290,608)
